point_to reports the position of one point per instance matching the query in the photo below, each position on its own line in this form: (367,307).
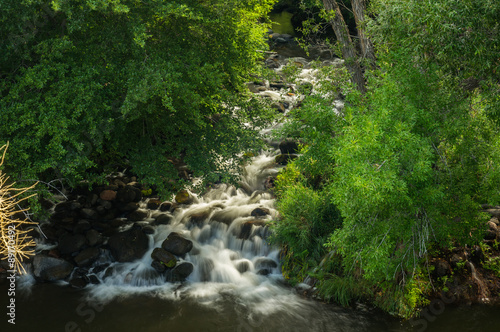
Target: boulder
(94,238)
(71,243)
(164,257)
(137,215)
(180,272)
(129,245)
(51,269)
(260,212)
(163,219)
(87,257)
(153,204)
(166,206)
(177,245)
(441,268)
(78,282)
(246,228)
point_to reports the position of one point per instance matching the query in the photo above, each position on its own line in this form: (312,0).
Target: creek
(236,282)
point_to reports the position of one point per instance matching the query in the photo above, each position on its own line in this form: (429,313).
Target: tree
(92,87)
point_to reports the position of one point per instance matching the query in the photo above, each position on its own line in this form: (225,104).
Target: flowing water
(236,284)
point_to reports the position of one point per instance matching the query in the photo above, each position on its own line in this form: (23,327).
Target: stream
(236,282)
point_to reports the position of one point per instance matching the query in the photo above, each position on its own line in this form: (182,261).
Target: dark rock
(94,280)
(177,245)
(101,227)
(246,228)
(107,205)
(265,263)
(153,204)
(126,194)
(129,245)
(199,217)
(264,272)
(284,159)
(70,243)
(477,255)
(137,215)
(243,266)
(166,206)
(260,212)
(289,146)
(50,268)
(129,207)
(91,200)
(490,234)
(455,259)
(164,257)
(158,266)
(87,257)
(78,282)
(82,226)
(148,230)
(180,272)
(89,213)
(163,219)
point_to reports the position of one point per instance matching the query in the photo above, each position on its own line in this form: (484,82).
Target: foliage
(410,162)
(91,87)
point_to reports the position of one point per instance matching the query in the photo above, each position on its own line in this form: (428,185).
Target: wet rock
(199,217)
(70,243)
(180,272)
(177,245)
(153,204)
(243,266)
(163,256)
(166,206)
(184,197)
(50,268)
(284,159)
(158,266)
(163,219)
(246,228)
(265,263)
(94,280)
(78,282)
(148,230)
(129,245)
(108,195)
(490,235)
(87,257)
(260,212)
(289,146)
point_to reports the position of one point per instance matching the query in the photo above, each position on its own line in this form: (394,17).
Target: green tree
(86,85)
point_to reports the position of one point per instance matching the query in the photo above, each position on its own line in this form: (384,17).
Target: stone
(164,257)
(87,257)
(177,245)
(126,195)
(71,243)
(260,212)
(129,245)
(108,195)
(246,228)
(265,263)
(137,215)
(158,266)
(153,204)
(166,206)
(129,207)
(82,227)
(184,197)
(89,213)
(78,282)
(205,267)
(50,268)
(180,272)
(163,219)
(243,266)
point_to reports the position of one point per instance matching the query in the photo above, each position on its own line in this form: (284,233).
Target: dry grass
(15,244)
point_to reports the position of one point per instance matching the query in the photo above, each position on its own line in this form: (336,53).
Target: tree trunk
(348,51)
(359,7)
